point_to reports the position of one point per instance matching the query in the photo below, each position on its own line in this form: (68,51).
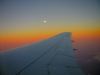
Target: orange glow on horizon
(9,42)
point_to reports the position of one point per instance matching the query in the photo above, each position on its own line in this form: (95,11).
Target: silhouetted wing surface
(53,56)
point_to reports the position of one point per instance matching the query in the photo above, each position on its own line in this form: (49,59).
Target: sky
(27,21)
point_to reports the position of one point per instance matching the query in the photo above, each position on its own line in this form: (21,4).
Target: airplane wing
(53,56)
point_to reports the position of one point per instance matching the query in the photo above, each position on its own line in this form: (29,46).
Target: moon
(44,21)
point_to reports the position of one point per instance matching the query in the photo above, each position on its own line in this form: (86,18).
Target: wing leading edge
(53,56)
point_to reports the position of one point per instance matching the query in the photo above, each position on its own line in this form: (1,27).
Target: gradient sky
(21,22)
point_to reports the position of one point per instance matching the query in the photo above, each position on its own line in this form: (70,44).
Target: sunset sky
(22,22)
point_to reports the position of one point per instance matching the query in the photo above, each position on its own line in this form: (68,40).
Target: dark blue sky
(60,14)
